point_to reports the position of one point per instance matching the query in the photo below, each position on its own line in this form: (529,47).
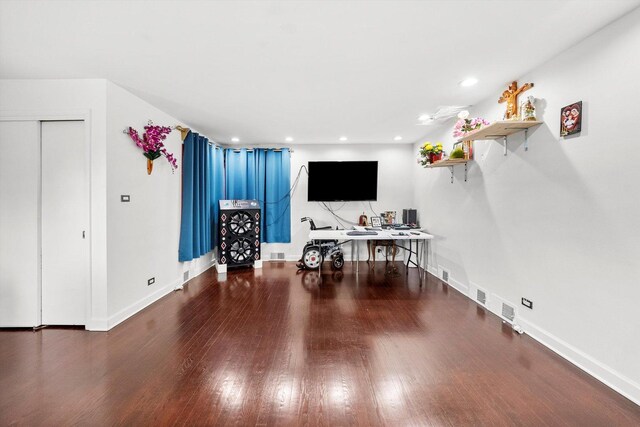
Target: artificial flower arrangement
(430,153)
(464,125)
(152,144)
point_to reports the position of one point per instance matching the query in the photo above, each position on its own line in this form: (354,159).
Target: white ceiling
(312,70)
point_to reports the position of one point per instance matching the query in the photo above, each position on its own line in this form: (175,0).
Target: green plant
(458,153)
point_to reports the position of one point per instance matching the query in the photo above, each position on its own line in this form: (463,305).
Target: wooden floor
(272,347)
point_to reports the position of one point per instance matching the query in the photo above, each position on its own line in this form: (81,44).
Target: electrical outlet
(151,281)
(527,303)
(125,198)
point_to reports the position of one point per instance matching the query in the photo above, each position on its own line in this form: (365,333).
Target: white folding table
(342,236)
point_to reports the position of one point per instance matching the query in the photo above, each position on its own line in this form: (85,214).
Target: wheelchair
(314,254)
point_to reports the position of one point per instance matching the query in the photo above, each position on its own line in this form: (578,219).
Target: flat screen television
(343,181)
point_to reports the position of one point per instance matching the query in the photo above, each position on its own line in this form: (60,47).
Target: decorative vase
(151,156)
(436,157)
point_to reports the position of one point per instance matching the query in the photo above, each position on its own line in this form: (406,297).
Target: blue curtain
(263,175)
(277,216)
(202,187)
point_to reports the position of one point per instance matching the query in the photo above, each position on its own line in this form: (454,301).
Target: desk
(342,237)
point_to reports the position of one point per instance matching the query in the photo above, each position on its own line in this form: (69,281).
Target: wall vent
(277,256)
(481,296)
(508,312)
(445,276)
(185,276)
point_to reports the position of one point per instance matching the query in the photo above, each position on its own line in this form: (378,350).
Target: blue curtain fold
(277,215)
(263,175)
(202,187)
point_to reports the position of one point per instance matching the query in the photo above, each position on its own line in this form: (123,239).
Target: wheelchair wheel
(311,258)
(337,262)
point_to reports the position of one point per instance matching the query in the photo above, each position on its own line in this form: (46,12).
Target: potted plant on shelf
(430,153)
(152,144)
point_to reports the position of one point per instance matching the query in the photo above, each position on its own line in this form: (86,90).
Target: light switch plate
(125,198)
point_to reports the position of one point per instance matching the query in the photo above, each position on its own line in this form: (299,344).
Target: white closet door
(19,224)
(65,208)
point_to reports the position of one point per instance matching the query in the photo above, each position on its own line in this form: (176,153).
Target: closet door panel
(19,223)
(65,207)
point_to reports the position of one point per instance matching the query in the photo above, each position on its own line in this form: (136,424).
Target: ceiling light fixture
(234,139)
(397,138)
(288,139)
(469,81)
(343,138)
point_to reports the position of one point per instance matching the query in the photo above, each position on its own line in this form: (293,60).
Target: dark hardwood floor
(274,348)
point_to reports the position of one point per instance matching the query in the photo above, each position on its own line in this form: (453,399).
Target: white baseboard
(97,325)
(605,374)
(137,306)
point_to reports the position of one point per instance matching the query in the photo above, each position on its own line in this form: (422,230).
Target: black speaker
(239,232)
(410,216)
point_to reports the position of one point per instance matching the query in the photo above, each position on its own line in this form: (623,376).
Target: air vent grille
(277,256)
(445,276)
(508,312)
(185,276)
(481,296)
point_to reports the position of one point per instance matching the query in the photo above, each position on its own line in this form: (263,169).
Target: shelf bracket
(526,139)
(504,139)
(451,170)
(465,172)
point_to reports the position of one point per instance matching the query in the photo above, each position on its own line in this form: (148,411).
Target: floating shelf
(501,129)
(450,163)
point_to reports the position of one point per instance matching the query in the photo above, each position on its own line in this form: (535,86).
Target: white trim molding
(603,373)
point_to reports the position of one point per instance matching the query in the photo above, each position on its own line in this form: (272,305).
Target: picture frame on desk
(376,221)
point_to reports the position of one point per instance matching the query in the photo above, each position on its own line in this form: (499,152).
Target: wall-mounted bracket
(465,172)
(451,170)
(504,140)
(526,139)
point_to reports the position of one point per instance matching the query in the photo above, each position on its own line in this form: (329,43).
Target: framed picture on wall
(571,119)
(376,221)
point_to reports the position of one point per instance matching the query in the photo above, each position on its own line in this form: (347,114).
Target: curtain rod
(184,131)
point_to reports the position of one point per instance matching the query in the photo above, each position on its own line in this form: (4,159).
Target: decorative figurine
(528,109)
(510,96)
(363,221)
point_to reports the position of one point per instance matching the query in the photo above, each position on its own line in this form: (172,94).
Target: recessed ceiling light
(234,139)
(424,117)
(343,138)
(469,81)
(397,138)
(288,139)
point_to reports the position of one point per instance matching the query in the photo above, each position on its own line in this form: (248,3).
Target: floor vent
(508,312)
(445,276)
(277,256)
(185,276)
(481,296)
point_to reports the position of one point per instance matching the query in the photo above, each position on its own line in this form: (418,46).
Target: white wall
(395,190)
(129,242)
(73,99)
(557,224)
(144,233)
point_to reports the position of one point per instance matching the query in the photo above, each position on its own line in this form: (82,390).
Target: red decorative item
(435,157)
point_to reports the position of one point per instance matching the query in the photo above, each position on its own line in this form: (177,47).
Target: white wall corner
(605,374)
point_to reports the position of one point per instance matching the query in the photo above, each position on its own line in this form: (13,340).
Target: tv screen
(343,181)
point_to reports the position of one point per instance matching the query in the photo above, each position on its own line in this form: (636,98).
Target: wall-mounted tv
(343,181)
